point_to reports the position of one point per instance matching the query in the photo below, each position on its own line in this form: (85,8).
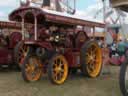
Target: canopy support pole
(23,29)
(93,32)
(35,28)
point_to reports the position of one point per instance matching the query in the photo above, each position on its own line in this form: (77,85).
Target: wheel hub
(32,67)
(58,69)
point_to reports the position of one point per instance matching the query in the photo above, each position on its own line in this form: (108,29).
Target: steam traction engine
(54,45)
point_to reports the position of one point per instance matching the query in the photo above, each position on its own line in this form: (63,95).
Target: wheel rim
(23,50)
(126,79)
(33,69)
(59,70)
(93,60)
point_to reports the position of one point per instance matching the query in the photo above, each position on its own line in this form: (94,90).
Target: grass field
(12,84)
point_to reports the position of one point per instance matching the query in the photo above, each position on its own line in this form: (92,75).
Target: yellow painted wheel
(58,69)
(22,53)
(91,59)
(31,69)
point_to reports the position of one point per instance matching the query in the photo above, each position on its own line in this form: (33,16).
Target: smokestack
(58,7)
(52,4)
(24,3)
(46,3)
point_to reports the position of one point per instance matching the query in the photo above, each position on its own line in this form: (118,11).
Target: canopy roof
(4,24)
(44,15)
(122,4)
(13,25)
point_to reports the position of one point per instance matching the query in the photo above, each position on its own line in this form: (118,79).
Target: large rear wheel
(58,69)
(31,68)
(123,79)
(21,51)
(91,59)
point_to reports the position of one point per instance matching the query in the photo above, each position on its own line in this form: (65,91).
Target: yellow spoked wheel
(22,53)
(31,69)
(91,59)
(58,69)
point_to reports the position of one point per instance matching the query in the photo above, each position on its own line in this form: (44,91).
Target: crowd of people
(113,53)
(117,48)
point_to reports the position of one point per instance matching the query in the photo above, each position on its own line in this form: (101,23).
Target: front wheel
(123,78)
(58,69)
(31,68)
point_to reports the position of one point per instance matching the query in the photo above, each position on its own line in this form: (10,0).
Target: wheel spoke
(58,61)
(35,61)
(91,51)
(60,75)
(94,50)
(89,69)
(28,69)
(55,62)
(92,67)
(55,66)
(88,59)
(23,50)
(96,61)
(62,71)
(56,78)
(87,55)
(88,62)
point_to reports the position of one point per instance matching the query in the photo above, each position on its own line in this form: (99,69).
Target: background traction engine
(7,45)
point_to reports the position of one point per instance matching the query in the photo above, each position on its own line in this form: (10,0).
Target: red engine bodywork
(6,56)
(7,52)
(73,57)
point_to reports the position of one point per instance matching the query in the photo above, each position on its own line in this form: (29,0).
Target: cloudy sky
(86,8)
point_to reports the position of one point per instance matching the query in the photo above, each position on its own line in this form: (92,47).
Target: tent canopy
(121,4)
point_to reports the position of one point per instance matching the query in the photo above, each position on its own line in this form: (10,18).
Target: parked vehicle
(8,40)
(55,44)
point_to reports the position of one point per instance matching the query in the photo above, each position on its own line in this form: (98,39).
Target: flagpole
(104,19)
(104,9)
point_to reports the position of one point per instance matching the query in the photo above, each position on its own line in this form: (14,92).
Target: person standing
(106,59)
(113,48)
(121,47)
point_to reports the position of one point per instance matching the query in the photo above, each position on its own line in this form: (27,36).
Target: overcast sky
(84,7)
